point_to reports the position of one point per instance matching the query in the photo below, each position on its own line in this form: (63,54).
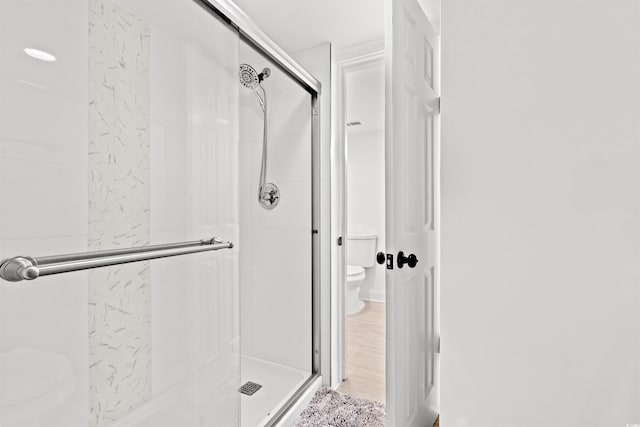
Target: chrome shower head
(250,78)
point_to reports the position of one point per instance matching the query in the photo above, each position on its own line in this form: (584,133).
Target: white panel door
(412,108)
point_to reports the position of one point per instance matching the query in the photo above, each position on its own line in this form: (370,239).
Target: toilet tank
(361,249)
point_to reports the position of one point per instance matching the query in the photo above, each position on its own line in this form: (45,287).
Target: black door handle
(410,260)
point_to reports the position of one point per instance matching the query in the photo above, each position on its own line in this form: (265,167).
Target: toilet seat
(355,272)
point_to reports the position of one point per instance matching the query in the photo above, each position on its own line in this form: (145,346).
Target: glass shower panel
(119,130)
(275,244)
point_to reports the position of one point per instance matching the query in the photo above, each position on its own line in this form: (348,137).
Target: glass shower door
(119,129)
(276,253)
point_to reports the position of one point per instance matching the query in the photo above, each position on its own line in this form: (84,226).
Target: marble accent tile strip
(119,210)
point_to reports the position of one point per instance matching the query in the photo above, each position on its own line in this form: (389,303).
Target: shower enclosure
(142,282)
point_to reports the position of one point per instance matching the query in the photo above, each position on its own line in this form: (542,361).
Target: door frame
(348,60)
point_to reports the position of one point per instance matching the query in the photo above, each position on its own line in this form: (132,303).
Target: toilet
(361,253)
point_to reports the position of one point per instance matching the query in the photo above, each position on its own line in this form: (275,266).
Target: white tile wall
(37,187)
(273,293)
(275,246)
(281,341)
(281,250)
(36,127)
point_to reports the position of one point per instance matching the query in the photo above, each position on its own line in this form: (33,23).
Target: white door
(412,108)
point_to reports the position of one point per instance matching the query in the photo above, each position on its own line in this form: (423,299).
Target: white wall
(365,201)
(540,213)
(364,89)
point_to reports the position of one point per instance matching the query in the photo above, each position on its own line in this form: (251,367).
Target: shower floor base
(278,384)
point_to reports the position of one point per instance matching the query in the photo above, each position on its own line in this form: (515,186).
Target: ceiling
(300,24)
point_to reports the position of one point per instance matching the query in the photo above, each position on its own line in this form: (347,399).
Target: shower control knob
(269,196)
(410,260)
(381,257)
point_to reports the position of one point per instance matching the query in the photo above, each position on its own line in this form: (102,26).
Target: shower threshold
(278,382)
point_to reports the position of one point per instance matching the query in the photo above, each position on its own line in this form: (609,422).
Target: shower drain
(249,388)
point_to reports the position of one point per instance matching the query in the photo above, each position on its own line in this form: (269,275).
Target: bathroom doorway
(362,204)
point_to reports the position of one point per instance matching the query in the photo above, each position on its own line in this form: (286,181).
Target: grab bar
(28,268)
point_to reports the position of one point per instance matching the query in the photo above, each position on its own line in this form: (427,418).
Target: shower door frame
(232,15)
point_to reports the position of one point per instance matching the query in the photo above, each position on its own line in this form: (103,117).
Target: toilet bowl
(361,252)
(355,277)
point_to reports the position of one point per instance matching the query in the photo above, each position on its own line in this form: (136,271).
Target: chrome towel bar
(28,268)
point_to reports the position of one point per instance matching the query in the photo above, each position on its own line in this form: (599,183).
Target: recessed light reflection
(32,84)
(40,54)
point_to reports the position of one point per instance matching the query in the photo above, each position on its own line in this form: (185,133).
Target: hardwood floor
(366,353)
